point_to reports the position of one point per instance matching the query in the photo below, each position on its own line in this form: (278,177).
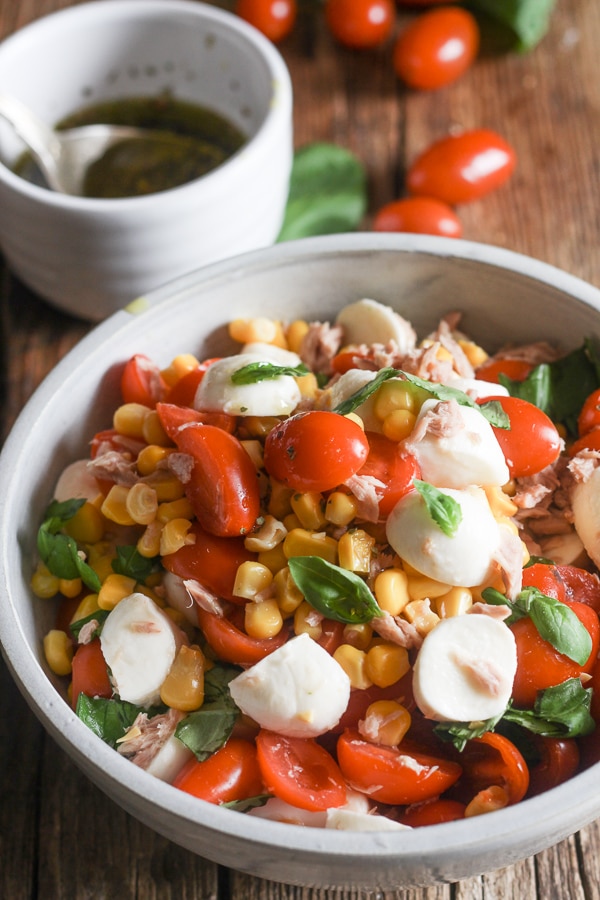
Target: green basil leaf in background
(58,551)
(559,711)
(444,510)
(132,564)
(327,194)
(207,729)
(250,803)
(263,371)
(335,592)
(110,719)
(216,685)
(458,733)
(99,616)
(527,20)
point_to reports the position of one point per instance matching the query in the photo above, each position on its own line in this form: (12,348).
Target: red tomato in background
(532,442)
(90,673)
(389,465)
(360,23)
(211,560)
(559,761)
(464,167)
(418,215)
(274,18)
(539,665)
(436,48)
(433,812)
(142,382)
(183,392)
(589,441)
(589,417)
(315,451)
(493,760)
(394,775)
(231,773)
(300,772)
(566,583)
(515,369)
(233,645)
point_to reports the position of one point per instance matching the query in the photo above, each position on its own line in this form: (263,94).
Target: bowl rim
(578,797)
(278,107)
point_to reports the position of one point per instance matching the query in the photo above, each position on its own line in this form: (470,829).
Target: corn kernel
(359,635)
(183,688)
(421,615)
(386,722)
(488,800)
(398,424)
(354,551)
(456,602)
(394,395)
(391,591)
(43,583)
(295,334)
(308,509)
(180,365)
(274,559)
(280,500)
(291,521)
(254,449)
(149,458)
(141,503)
(174,509)
(300,542)
(354,417)
(259,426)
(167,486)
(250,578)
(114,589)
(263,620)
(288,595)
(340,508)
(420,586)
(69,587)
(153,431)
(100,558)
(269,535)
(354,663)
(174,536)
(114,506)
(308,621)
(128,419)
(474,353)
(58,650)
(87,525)
(260,328)
(148,544)
(387,663)
(87,606)
(308,386)
(500,503)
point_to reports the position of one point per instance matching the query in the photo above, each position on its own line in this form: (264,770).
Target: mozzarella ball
(271,397)
(585,502)
(348,384)
(370,322)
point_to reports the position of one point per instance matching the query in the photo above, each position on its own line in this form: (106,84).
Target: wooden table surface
(59,836)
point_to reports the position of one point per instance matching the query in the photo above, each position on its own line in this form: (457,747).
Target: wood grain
(59,836)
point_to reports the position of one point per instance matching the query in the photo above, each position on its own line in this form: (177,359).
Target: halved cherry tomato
(223,484)
(184,390)
(346,359)
(566,583)
(436,48)
(418,215)
(532,442)
(395,469)
(559,761)
(515,369)
(300,772)
(235,646)
(545,578)
(274,18)
(539,665)
(90,673)
(433,812)
(231,773)
(360,23)
(142,382)
(393,774)
(589,417)
(493,760)
(588,441)
(173,416)
(463,167)
(315,451)
(211,560)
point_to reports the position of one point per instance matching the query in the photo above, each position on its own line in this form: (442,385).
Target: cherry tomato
(233,645)
(539,665)
(142,382)
(566,583)
(589,417)
(515,369)
(275,18)
(464,167)
(173,417)
(433,812)
(559,761)
(300,772)
(223,484)
(493,760)
(231,773)
(546,579)
(393,774)
(395,469)
(420,2)
(589,441)
(436,48)
(184,390)
(211,560)
(418,215)
(360,23)
(90,673)
(315,451)
(532,442)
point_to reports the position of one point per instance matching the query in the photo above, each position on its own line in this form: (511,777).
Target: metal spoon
(63,157)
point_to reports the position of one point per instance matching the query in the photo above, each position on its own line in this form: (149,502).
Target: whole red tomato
(532,442)
(436,48)
(418,215)
(360,23)
(274,18)
(463,167)
(589,417)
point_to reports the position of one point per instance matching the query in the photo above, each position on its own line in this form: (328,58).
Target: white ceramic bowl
(504,296)
(90,257)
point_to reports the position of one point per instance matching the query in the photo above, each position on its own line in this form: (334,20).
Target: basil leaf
(458,733)
(58,551)
(261,371)
(335,592)
(99,615)
(443,509)
(559,711)
(131,563)
(216,685)
(250,803)
(327,194)
(354,400)
(527,20)
(207,729)
(110,719)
